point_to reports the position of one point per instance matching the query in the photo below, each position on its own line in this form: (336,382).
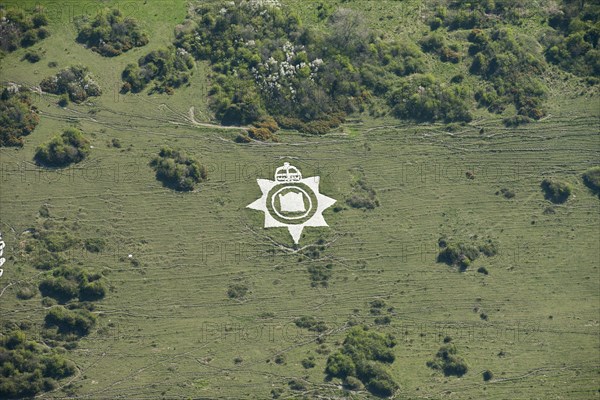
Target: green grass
(168,325)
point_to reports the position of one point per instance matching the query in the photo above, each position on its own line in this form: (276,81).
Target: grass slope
(167,326)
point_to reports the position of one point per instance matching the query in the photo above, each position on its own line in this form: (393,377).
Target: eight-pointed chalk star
(301,196)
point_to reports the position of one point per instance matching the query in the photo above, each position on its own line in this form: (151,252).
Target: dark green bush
(169,68)
(109,33)
(309,362)
(79,321)
(505,59)
(361,358)
(462,254)
(19,29)
(556,191)
(311,324)
(59,288)
(340,365)
(487,375)
(18,116)
(90,291)
(94,245)
(178,171)
(67,283)
(591,178)
(448,362)
(70,147)
(298,385)
(29,368)
(573,41)
(422,98)
(32,56)
(458,255)
(507,193)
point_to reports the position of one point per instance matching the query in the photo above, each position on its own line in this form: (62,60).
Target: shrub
(462,254)
(26,292)
(361,358)
(90,291)
(32,56)
(20,29)
(46,260)
(262,135)
(237,291)
(94,245)
(311,324)
(507,193)
(79,322)
(555,191)
(572,44)
(70,147)
(448,362)
(591,178)
(363,196)
(75,81)
(320,274)
(489,249)
(340,365)
(178,171)
(487,375)
(298,385)
(280,359)
(516,120)
(57,241)
(64,100)
(109,33)
(353,383)
(169,68)
(505,60)
(299,75)
(309,362)
(59,288)
(67,283)
(422,98)
(384,320)
(18,117)
(29,368)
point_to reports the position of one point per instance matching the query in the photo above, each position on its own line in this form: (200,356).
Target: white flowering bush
(281,78)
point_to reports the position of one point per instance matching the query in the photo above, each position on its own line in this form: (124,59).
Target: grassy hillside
(169,325)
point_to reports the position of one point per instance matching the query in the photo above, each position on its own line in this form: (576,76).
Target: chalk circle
(308,198)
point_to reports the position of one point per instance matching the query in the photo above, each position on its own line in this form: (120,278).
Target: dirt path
(192,119)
